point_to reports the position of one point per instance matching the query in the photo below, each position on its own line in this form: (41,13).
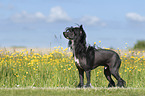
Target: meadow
(56,68)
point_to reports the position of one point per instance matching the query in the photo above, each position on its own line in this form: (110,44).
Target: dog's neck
(73,47)
(78,50)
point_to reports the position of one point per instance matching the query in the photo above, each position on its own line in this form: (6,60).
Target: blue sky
(40,23)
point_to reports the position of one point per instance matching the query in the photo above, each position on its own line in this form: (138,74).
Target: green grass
(57,69)
(72,92)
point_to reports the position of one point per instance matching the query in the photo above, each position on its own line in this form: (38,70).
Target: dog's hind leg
(121,82)
(108,76)
(115,72)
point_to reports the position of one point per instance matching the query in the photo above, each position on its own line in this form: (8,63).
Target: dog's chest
(76,60)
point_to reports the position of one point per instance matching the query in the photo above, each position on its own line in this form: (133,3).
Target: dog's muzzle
(65,35)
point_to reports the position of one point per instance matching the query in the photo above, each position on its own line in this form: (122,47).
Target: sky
(40,23)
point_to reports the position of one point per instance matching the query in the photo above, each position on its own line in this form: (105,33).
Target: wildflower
(138,59)
(61,48)
(107,48)
(65,49)
(125,54)
(94,43)
(69,68)
(26,72)
(132,57)
(138,52)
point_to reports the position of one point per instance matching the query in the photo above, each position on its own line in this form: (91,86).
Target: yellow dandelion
(94,43)
(17,75)
(125,54)
(69,68)
(26,72)
(129,51)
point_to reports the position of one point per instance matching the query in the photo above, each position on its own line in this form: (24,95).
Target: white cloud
(39,15)
(135,17)
(56,14)
(92,20)
(26,17)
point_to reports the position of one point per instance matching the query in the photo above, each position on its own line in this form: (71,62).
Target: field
(73,92)
(55,68)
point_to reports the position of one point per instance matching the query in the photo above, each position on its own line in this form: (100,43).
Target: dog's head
(72,33)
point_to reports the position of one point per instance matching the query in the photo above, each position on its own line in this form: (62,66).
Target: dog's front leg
(88,75)
(81,76)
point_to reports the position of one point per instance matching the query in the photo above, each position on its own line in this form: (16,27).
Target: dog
(89,58)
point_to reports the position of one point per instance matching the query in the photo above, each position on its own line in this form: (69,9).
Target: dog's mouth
(67,38)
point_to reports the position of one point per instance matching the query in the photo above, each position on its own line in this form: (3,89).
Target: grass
(57,69)
(29,72)
(72,92)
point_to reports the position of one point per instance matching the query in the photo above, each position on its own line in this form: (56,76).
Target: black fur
(88,58)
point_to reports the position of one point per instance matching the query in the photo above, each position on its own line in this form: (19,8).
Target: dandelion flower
(26,72)
(94,43)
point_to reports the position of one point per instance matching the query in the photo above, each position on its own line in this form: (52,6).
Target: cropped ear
(81,27)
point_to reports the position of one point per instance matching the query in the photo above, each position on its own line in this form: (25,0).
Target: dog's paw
(111,85)
(121,84)
(80,85)
(88,86)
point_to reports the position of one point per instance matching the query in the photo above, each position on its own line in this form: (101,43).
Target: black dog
(88,58)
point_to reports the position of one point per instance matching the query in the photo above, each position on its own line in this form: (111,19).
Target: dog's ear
(81,27)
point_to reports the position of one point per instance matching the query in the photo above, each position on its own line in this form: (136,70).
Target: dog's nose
(64,34)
